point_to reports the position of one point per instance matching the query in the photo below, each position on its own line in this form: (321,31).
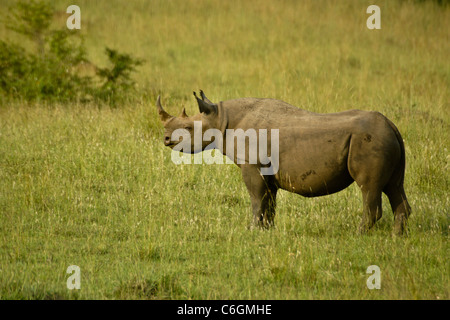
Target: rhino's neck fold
(223,119)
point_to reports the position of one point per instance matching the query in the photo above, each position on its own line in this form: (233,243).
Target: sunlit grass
(95,187)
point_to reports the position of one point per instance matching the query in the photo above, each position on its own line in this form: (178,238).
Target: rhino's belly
(314,183)
(314,169)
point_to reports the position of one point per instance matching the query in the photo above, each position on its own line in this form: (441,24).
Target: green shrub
(117,78)
(50,70)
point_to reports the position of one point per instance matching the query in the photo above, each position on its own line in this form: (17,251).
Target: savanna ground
(93,186)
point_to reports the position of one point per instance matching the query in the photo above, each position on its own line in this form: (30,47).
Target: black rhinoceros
(317,154)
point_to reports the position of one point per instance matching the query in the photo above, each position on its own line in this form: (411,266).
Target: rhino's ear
(163,115)
(204,98)
(205,107)
(183,113)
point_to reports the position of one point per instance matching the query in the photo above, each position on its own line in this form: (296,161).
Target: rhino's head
(208,117)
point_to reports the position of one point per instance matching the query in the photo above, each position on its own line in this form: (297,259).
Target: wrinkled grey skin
(319,154)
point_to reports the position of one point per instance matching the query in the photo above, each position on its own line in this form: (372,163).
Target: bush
(117,80)
(50,70)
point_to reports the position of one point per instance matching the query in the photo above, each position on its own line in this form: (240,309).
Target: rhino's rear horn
(204,106)
(162,113)
(183,114)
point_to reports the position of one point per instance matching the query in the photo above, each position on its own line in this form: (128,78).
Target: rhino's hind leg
(371,181)
(263,193)
(372,208)
(400,207)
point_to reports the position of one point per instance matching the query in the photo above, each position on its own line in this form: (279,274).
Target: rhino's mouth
(171,144)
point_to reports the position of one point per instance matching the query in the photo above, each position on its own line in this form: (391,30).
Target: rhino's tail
(398,176)
(395,190)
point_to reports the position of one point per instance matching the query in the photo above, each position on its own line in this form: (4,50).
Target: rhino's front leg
(263,193)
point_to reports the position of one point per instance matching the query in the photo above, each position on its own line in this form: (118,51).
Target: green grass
(95,187)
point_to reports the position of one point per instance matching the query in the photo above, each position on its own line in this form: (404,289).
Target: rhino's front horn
(162,113)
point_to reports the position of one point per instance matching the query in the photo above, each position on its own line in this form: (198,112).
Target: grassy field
(95,187)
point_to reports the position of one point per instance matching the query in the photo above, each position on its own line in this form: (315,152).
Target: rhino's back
(263,107)
(270,113)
